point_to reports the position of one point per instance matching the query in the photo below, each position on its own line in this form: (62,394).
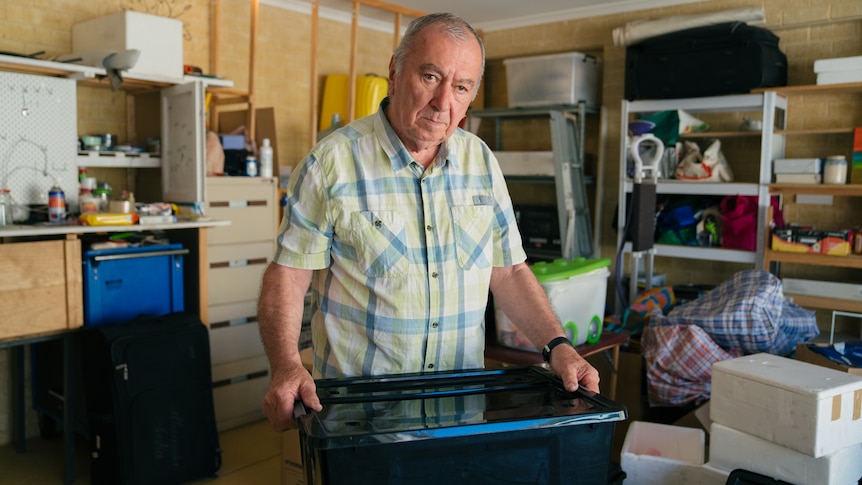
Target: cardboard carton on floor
(805,354)
(808,408)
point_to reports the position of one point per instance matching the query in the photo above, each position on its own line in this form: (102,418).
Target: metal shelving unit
(771,108)
(567,126)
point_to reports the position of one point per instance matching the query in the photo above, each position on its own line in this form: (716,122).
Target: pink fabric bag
(739,221)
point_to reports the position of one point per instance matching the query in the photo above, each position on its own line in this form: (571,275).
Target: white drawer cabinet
(238,255)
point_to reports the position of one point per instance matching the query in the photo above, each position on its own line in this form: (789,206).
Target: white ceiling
(487,15)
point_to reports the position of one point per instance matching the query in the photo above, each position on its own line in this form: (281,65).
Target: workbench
(41,294)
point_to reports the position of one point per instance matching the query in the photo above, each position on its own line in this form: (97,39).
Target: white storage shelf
(770,108)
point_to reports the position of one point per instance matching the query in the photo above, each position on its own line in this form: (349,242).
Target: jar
(835,170)
(5,207)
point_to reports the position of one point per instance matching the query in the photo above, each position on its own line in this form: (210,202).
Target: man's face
(431,94)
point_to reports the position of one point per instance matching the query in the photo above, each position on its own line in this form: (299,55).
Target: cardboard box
(804,354)
(660,454)
(730,449)
(565,78)
(805,407)
(160,40)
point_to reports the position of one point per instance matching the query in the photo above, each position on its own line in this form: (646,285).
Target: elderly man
(401,223)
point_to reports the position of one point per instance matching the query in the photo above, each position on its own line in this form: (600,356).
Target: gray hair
(453,26)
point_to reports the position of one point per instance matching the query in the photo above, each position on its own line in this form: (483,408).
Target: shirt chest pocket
(379,239)
(472,225)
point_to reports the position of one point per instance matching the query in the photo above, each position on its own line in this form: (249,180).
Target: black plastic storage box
(508,426)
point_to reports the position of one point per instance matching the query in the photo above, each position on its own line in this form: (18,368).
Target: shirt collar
(394,148)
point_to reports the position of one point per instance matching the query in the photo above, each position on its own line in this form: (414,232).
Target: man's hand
(573,369)
(288,386)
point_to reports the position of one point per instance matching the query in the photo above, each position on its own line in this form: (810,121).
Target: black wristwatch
(546,350)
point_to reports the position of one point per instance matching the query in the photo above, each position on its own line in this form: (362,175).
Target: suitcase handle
(115,257)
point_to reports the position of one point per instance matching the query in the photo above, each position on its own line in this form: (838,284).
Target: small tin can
(857,243)
(250,166)
(56,205)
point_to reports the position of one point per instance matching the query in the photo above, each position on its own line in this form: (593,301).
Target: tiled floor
(250,455)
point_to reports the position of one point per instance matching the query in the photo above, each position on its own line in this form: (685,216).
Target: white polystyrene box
(730,449)
(659,454)
(160,40)
(809,408)
(565,78)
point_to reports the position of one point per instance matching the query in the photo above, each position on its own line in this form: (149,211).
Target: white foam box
(730,449)
(808,408)
(659,454)
(565,78)
(160,40)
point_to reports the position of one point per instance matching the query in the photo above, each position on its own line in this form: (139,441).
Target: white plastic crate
(565,78)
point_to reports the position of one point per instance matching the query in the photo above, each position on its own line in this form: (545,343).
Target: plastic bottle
(266,159)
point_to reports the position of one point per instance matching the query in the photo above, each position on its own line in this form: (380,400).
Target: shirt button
(430,366)
(434,274)
(428,227)
(378,223)
(435,325)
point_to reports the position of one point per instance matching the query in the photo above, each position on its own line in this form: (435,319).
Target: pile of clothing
(744,315)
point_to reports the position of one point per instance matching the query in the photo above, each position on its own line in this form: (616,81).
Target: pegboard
(38,137)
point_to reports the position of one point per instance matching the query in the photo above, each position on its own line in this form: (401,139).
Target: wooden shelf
(846,88)
(848,190)
(822,131)
(851,261)
(722,134)
(840,304)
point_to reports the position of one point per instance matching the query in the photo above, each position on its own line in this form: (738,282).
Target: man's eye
(430,77)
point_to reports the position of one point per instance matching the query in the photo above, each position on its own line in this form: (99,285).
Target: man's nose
(442,98)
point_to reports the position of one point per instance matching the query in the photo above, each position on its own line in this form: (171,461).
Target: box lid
(791,375)
(420,406)
(143,250)
(561,269)
(838,64)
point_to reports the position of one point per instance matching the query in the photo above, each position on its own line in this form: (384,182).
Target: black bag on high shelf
(148,389)
(726,58)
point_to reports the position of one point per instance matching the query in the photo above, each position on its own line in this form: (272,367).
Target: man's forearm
(279,312)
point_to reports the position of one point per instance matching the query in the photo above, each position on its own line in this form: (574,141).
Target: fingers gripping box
(808,408)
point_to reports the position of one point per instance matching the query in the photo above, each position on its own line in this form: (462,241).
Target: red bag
(739,221)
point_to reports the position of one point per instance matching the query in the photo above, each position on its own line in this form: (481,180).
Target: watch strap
(546,350)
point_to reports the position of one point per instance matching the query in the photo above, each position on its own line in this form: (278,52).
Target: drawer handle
(152,254)
(236,263)
(234,323)
(238,203)
(242,378)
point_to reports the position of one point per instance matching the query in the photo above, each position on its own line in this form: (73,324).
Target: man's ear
(391,76)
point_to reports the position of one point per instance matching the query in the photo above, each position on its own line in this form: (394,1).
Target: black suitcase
(150,412)
(726,58)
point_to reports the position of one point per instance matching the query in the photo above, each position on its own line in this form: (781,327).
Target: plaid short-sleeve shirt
(403,254)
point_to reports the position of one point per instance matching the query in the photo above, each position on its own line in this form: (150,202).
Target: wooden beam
(315,4)
(255,7)
(397,33)
(351,78)
(215,20)
(393,8)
